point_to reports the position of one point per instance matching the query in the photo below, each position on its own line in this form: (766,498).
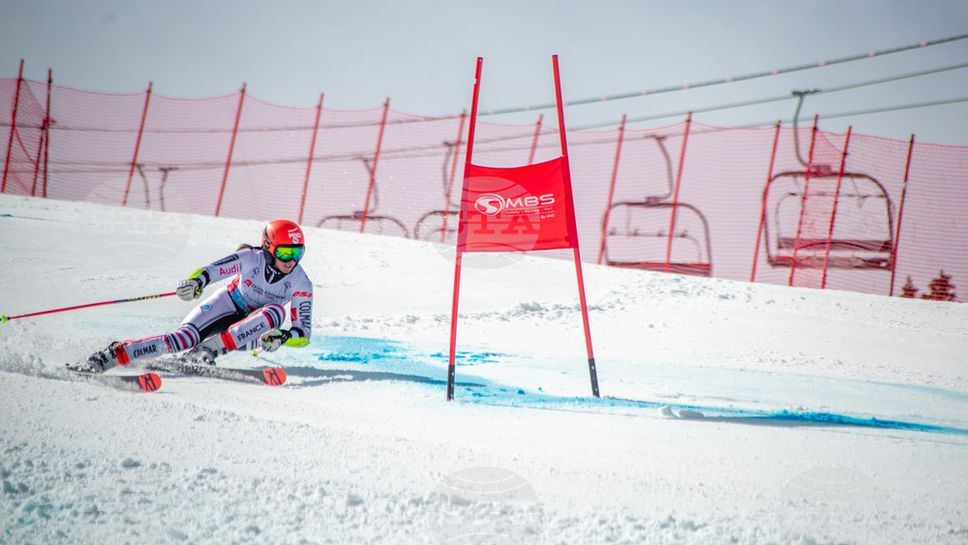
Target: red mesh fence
(807,222)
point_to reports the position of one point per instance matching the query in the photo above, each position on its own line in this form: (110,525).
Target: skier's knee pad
(183,338)
(275,314)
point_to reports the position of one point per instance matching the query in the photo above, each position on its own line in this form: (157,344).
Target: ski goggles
(289,253)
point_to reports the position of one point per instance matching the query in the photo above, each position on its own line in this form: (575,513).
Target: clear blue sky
(421,53)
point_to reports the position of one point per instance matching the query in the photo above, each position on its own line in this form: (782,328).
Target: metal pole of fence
(137,145)
(803,200)
(833,213)
(13,126)
(453,174)
(376,160)
(900,214)
(611,187)
(312,154)
(228,160)
(43,136)
(766,191)
(675,196)
(534,139)
(50,90)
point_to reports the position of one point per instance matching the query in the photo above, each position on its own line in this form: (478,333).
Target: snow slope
(732,413)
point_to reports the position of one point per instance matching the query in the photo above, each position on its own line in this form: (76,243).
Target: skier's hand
(190,288)
(274,338)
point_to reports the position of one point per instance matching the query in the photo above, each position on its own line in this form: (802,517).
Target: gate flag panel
(517,209)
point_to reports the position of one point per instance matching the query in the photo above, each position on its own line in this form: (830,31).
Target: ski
(145,382)
(272,376)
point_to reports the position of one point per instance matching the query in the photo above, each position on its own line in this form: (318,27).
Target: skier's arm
(231,265)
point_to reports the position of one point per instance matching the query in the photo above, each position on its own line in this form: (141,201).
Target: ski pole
(5,319)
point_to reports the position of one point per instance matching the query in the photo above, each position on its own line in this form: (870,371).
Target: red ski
(145,382)
(271,376)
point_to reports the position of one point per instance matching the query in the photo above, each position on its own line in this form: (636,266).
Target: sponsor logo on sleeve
(234,269)
(306,314)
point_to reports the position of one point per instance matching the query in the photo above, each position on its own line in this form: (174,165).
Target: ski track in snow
(733,413)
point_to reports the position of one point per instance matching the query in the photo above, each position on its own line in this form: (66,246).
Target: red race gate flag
(517,209)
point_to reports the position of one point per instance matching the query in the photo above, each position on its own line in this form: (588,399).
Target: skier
(246,313)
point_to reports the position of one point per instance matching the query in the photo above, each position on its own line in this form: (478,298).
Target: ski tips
(149,382)
(274,376)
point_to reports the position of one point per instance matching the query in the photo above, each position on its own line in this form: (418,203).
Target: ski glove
(190,288)
(273,339)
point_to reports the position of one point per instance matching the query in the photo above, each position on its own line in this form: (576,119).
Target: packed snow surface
(731,412)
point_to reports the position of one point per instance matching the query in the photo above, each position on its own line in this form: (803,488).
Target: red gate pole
(228,160)
(43,135)
(900,214)
(309,162)
(13,126)
(137,145)
(376,160)
(611,187)
(573,229)
(803,200)
(453,173)
(675,196)
(462,235)
(534,139)
(766,191)
(833,213)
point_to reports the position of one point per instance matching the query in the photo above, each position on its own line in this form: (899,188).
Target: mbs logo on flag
(515,209)
(492,205)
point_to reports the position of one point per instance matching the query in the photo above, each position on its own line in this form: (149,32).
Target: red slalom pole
(5,319)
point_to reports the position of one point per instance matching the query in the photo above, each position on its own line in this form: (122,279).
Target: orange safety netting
(713,209)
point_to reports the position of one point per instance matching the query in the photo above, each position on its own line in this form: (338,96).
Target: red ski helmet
(286,235)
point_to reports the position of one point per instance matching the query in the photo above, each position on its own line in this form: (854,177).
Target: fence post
(534,139)
(137,145)
(228,160)
(453,174)
(900,214)
(50,90)
(803,200)
(312,153)
(766,191)
(376,160)
(675,196)
(611,187)
(833,213)
(43,134)
(13,126)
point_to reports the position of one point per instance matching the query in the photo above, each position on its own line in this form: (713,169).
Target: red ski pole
(5,319)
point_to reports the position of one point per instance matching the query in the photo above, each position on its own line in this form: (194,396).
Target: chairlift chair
(375,223)
(637,232)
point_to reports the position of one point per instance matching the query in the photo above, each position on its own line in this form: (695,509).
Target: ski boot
(102,360)
(206,351)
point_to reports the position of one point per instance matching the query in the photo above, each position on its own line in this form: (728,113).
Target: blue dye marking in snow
(365,350)
(399,357)
(463,357)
